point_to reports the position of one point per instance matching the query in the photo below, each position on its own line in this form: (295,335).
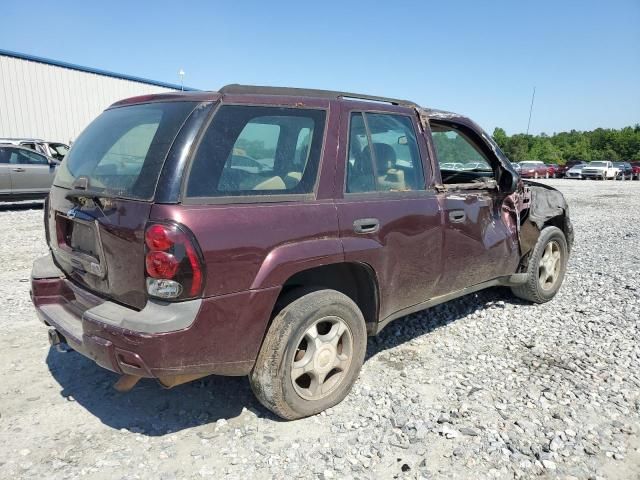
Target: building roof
(97,71)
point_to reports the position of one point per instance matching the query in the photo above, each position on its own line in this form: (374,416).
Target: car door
(5,176)
(480,236)
(30,171)
(388,219)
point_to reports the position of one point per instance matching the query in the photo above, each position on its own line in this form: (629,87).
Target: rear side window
(383,154)
(253,150)
(122,151)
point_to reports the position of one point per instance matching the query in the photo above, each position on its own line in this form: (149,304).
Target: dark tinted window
(122,151)
(249,150)
(383,154)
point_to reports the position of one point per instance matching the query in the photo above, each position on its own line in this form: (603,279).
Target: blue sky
(477,58)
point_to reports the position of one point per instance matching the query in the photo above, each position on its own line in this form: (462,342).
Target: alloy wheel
(322,358)
(549,265)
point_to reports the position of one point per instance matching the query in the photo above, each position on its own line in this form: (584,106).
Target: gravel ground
(483,387)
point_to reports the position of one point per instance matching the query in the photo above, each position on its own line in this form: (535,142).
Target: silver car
(25,174)
(54,150)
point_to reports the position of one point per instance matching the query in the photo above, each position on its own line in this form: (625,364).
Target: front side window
(461,158)
(383,154)
(454,148)
(255,150)
(23,157)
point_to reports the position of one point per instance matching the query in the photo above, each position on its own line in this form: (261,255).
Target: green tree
(598,144)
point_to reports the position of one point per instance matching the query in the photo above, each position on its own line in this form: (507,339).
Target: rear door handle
(366,225)
(19,169)
(457,216)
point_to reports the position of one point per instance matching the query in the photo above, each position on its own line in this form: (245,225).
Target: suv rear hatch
(102,197)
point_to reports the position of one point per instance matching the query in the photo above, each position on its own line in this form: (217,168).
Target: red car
(170,260)
(552,170)
(533,169)
(636,170)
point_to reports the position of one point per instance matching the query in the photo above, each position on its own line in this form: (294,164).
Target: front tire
(311,355)
(547,267)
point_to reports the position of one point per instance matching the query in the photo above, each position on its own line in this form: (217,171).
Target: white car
(482,166)
(451,166)
(602,170)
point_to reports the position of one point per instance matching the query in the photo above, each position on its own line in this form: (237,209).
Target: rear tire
(547,267)
(311,355)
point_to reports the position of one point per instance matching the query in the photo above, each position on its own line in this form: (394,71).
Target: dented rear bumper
(215,335)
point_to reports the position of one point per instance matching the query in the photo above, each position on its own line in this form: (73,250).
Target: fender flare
(288,259)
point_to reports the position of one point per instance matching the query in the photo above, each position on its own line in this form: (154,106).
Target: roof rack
(309,92)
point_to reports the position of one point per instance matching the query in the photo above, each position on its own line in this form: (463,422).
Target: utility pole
(531,109)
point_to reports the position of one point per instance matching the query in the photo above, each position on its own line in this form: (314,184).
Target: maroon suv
(267,231)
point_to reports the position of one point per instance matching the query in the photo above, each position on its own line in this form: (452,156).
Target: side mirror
(53,162)
(515,181)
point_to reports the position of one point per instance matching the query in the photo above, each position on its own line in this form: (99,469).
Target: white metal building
(55,101)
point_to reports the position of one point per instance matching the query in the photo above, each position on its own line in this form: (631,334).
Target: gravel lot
(482,387)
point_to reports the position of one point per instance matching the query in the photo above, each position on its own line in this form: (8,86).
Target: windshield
(122,151)
(598,164)
(530,164)
(58,150)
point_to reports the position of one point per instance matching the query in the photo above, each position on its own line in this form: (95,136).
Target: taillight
(173,262)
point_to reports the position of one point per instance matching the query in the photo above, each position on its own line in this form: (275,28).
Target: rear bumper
(216,335)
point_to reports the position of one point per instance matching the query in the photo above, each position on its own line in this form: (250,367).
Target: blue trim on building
(48,61)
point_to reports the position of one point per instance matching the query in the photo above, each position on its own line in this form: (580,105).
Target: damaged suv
(266,231)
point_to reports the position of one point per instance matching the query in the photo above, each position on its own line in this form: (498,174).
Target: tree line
(599,144)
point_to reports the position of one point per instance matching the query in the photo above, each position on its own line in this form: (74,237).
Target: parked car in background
(636,170)
(55,150)
(575,171)
(189,267)
(451,166)
(533,169)
(600,170)
(563,169)
(625,170)
(24,174)
(476,166)
(552,170)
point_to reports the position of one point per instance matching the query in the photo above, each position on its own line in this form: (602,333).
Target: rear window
(254,150)
(122,151)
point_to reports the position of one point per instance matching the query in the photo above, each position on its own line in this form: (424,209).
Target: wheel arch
(355,280)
